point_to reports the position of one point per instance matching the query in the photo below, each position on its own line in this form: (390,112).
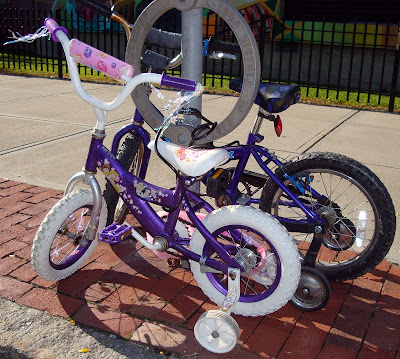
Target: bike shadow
(128,291)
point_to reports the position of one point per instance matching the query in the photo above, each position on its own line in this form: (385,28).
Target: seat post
(257,124)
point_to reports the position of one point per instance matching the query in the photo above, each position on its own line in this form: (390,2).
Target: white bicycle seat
(191,162)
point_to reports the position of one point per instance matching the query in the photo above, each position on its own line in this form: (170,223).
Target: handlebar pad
(160,38)
(97,6)
(222,46)
(53,27)
(98,60)
(178,83)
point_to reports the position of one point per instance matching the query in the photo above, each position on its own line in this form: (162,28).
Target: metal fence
(355,60)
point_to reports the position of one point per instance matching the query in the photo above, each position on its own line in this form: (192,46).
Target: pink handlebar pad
(53,27)
(98,60)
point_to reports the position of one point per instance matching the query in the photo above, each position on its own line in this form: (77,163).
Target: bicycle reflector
(278,126)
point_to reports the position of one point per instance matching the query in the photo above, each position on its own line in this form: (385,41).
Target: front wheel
(352,200)
(57,251)
(262,246)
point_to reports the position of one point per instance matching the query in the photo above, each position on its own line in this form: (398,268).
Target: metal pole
(192,47)
(192,62)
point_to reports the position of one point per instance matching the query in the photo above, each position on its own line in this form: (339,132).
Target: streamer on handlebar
(173,107)
(17,37)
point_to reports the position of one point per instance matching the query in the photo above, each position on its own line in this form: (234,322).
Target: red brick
(50,301)
(12,200)
(120,274)
(331,351)
(147,306)
(343,287)
(12,246)
(126,250)
(169,287)
(13,289)
(285,318)
(44,283)
(366,288)
(15,208)
(266,341)
(305,341)
(13,220)
(27,236)
(81,279)
(8,264)
(360,303)
(34,209)
(108,257)
(384,331)
(42,196)
(343,339)
(7,183)
(6,236)
(380,272)
(236,353)
(24,253)
(327,315)
(14,189)
(126,295)
(35,221)
(104,318)
(156,267)
(390,298)
(247,326)
(96,292)
(24,273)
(36,189)
(169,338)
(352,321)
(183,305)
(369,352)
(394,274)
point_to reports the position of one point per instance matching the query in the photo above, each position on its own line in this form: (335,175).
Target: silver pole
(192,47)
(192,62)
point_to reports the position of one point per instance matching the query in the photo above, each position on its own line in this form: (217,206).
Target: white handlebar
(132,82)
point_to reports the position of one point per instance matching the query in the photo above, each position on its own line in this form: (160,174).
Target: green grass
(37,66)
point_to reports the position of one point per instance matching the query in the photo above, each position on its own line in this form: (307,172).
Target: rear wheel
(130,156)
(353,201)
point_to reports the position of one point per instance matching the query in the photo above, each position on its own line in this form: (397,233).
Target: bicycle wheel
(264,248)
(57,251)
(130,155)
(353,201)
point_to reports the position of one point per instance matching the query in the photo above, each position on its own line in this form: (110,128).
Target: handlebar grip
(222,46)
(97,6)
(178,83)
(53,27)
(160,38)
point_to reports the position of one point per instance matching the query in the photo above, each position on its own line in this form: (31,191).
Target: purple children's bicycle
(243,259)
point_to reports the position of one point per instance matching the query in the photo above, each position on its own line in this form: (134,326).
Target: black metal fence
(355,60)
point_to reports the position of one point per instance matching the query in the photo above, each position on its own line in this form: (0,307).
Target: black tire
(352,256)
(130,155)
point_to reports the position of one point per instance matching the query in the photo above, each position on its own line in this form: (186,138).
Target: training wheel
(217,331)
(313,291)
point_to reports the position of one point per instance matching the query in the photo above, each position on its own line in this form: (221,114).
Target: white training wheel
(217,331)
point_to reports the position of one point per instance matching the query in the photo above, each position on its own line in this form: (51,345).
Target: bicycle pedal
(174,262)
(115,233)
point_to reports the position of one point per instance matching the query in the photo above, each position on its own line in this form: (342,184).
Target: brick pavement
(126,290)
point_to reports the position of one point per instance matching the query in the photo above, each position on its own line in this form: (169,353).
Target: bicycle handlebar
(59,34)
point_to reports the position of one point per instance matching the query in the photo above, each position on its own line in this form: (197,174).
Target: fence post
(395,74)
(59,51)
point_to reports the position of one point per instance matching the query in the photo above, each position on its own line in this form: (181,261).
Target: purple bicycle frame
(137,194)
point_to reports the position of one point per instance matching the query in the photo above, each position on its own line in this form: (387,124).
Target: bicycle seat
(191,162)
(271,97)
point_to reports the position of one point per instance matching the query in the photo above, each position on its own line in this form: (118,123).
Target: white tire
(283,248)
(48,235)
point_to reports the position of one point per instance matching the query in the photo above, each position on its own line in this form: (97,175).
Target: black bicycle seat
(272,97)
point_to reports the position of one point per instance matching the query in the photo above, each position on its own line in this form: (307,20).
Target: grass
(41,67)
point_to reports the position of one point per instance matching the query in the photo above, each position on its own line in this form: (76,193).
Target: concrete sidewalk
(45,134)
